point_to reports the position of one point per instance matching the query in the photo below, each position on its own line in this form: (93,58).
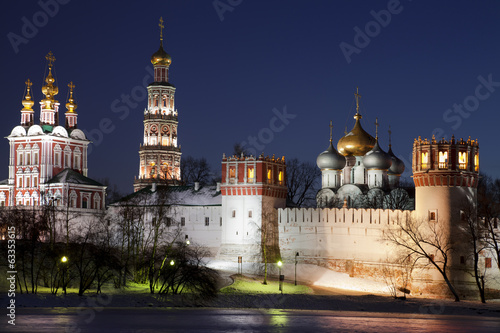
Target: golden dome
(71,105)
(27,101)
(357,142)
(161,57)
(50,89)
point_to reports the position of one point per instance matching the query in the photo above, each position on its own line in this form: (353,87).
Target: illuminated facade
(159,155)
(48,162)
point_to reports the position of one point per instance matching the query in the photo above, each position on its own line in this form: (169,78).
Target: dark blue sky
(230,74)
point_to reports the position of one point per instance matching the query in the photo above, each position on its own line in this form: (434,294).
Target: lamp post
(280,281)
(296,255)
(64,260)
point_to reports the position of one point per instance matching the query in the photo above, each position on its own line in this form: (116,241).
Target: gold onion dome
(71,105)
(161,57)
(27,101)
(50,89)
(357,142)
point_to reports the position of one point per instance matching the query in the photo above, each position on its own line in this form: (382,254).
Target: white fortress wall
(337,233)
(195,224)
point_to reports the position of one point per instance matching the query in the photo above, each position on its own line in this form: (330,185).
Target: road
(152,320)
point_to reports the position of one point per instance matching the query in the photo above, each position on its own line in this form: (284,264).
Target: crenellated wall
(337,233)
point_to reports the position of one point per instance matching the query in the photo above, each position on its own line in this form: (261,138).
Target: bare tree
(397,274)
(472,232)
(239,149)
(195,170)
(425,242)
(398,199)
(302,179)
(488,200)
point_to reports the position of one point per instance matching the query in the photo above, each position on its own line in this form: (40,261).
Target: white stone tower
(446,176)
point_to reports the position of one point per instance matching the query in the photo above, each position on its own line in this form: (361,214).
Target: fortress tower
(159,155)
(252,189)
(446,175)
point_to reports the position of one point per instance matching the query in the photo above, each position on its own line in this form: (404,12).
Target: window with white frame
(97,201)
(57,156)
(85,200)
(72,199)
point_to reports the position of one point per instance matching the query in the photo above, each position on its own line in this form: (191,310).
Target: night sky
(431,67)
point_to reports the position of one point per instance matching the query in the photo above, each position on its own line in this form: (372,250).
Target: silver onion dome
(330,159)
(377,159)
(397,167)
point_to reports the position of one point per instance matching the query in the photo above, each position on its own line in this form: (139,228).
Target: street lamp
(172,262)
(64,260)
(280,283)
(296,255)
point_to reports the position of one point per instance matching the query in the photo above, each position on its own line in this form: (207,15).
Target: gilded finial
(161,30)
(50,89)
(50,58)
(71,105)
(358,97)
(27,102)
(376,128)
(331,128)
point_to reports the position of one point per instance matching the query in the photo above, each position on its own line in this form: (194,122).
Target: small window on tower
(487,262)
(249,213)
(425,160)
(183,221)
(280,177)
(269,175)
(207,221)
(433,216)
(462,160)
(443,159)
(476,162)
(233,213)
(232,172)
(251,174)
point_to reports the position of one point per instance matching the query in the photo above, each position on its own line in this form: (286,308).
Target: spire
(27,102)
(71,105)
(161,31)
(331,128)
(27,113)
(50,89)
(357,96)
(376,128)
(71,114)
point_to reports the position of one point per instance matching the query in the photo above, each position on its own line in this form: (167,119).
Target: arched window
(425,160)
(462,160)
(443,159)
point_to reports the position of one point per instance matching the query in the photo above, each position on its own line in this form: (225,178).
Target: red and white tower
(252,189)
(160,155)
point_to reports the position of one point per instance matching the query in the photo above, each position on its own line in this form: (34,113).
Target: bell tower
(160,154)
